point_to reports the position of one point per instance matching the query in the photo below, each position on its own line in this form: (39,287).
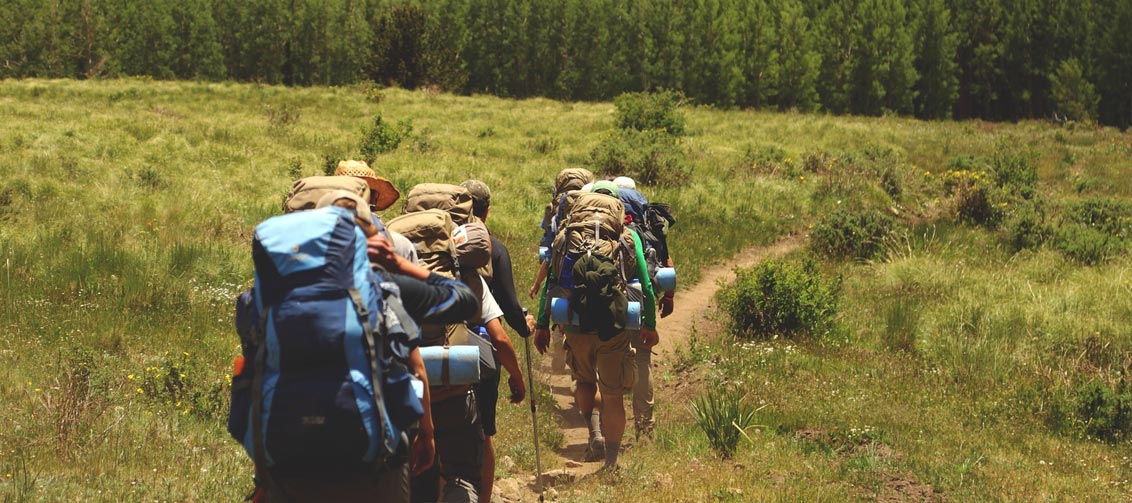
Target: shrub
(1014,171)
(1105,215)
(971,197)
(845,234)
(382,137)
(724,418)
(1086,245)
(659,111)
(781,298)
(1027,228)
(1104,413)
(649,157)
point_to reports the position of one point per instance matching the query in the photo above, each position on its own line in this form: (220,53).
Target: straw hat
(382,192)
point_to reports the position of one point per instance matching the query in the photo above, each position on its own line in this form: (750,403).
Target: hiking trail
(563,465)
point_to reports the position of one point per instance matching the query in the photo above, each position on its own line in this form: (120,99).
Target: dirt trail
(691,306)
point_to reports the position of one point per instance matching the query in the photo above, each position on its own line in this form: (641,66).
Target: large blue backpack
(306,398)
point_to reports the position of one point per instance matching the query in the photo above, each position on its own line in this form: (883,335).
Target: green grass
(126,210)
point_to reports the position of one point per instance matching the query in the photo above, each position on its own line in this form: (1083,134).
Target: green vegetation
(935,59)
(968,360)
(781,299)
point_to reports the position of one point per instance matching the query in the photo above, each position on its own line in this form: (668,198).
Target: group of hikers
(372,351)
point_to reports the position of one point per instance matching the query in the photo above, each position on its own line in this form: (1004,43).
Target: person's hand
(649,337)
(518,388)
(381,252)
(666,305)
(530,323)
(542,339)
(423,453)
(533,291)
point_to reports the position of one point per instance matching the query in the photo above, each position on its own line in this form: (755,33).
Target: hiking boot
(595,451)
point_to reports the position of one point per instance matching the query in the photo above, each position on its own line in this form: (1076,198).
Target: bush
(724,418)
(1027,228)
(649,157)
(971,197)
(1105,215)
(382,137)
(781,298)
(659,111)
(1086,245)
(1103,412)
(844,234)
(1014,171)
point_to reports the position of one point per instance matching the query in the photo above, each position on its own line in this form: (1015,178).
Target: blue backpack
(315,337)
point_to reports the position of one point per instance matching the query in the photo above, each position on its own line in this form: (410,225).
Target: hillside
(967,343)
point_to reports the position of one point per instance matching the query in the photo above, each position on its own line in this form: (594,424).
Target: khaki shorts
(610,364)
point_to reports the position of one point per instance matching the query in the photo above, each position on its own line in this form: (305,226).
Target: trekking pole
(534,417)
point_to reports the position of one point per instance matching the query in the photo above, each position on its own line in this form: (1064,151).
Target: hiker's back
(317,393)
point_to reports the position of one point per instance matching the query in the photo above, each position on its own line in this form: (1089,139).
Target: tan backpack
(430,231)
(454,199)
(306,192)
(596,223)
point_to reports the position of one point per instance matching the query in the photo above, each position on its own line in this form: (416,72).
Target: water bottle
(482,332)
(634,292)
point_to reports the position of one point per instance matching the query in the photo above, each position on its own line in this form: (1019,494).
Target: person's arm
(542,321)
(424,447)
(543,268)
(648,311)
(436,299)
(503,288)
(508,358)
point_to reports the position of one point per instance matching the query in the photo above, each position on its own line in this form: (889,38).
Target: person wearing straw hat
(382,195)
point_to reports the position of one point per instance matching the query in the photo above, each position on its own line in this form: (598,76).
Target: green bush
(659,111)
(650,157)
(1105,215)
(723,417)
(1104,413)
(381,137)
(845,234)
(1086,245)
(1027,228)
(972,197)
(1014,171)
(781,298)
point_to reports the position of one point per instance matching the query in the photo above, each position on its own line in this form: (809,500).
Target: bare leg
(613,425)
(488,480)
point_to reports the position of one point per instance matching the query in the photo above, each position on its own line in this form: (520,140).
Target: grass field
(955,372)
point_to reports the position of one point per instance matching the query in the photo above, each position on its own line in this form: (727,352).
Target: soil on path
(692,305)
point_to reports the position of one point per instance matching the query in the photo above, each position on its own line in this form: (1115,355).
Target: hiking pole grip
(534,416)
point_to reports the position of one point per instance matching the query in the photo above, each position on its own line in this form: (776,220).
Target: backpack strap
(259,449)
(375,375)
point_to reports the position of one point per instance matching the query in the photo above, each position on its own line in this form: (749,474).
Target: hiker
(382,195)
(637,212)
(567,181)
(334,476)
(432,214)
(592,270)
(502,288)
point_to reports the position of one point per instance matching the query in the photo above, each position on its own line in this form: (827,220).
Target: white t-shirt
(403,247)
(489,309)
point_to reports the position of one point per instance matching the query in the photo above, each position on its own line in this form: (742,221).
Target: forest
(1000,60)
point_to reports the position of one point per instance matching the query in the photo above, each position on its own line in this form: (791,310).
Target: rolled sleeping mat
(451,365)
(665,279)
(543,254)
(560,313)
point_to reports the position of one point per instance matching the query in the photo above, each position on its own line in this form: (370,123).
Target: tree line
(933,59)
